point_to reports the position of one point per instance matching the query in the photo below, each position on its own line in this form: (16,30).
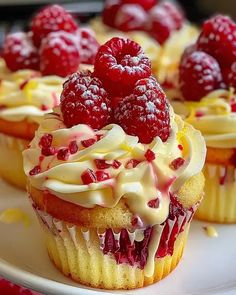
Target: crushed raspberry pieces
(88,142)
(59,54)
(101,175)
(85,101)
(218,38)
(73,147)
(132,163)
(199,74)
(19,52)
(120,63)
(44,107)
(36,170)
(150,155)
(116,164)
(154,203)
(145,113)
(46,140)
(88,176)
(52,18)
(180,147)
(63,154)
(177,163)
(48,151)
(101,164)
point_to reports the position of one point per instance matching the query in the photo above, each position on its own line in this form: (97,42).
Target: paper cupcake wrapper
(78,252)
(11,161)
(219,202)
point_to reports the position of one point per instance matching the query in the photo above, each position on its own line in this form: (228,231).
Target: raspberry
(88,142)
(46,140)
(101,175)
(130,17)
(36,170)
(73,147)
(59,55)
(120,63)
(154,203)
(101,164)
(175,13)
(109,12)
(145,4)
(230,75)
(63,154)
(52,18)
(8,288)
(88,46)
(199,74)
(150,155)
(48,151)
(19,52)
(84,101)
(177,163)
(88,176)
(145,113)
(132,163)
(218,38)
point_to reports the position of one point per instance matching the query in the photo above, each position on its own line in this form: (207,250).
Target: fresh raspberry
(229,75)
(109,12)
(218,38)
(88,46)
(130,17)
(8,288)
(145,4)
(161,24)
(19,52)
(174,12)
(199,74)
(59,55)
(145,113)
(85,101)
(120,63)
(52,18)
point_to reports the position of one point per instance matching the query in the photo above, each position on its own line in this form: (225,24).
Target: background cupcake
(207,83)
(32,71)
(114,199)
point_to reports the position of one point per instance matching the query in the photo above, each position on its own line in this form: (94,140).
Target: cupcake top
(207,79)
(96,149)
(34,64)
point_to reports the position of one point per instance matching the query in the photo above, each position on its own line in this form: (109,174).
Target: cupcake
(160,28)
(207,83)
(31,80)
(118,191)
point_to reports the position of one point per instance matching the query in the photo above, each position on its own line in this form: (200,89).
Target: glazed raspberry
(174,12)
(59,55)
(145,113)
(130,17)
(199,74)
(88,46)
(52,18)
(19,52)
(145,4)
(84,101)
(120,63)
(218,38)
(109,12)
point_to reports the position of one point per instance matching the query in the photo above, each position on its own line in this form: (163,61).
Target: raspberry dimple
(145,113)
(52,18)
(59,54)
(218,38)
(85,101)
(199,74)
(120,63)
(88,46)
(19,52)
(130,17)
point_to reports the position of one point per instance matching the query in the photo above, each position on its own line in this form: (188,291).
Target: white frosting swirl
(137,186)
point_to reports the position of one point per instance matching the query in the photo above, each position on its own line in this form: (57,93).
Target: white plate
(208,265)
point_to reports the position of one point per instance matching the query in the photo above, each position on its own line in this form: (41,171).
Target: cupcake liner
(79,252)
(11,161)
(219,202)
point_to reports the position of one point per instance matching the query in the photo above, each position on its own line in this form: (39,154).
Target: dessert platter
(108,167)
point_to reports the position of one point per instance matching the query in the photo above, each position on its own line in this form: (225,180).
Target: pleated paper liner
(219,202)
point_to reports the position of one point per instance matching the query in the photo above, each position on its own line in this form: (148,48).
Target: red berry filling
(199,74)
(19,52)
(59,54)
(52,18)
(145,113)
(85,101)
(150,155)
(36,170)
(177,163)
(120,63)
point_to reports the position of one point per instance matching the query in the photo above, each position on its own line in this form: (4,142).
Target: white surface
(208,265)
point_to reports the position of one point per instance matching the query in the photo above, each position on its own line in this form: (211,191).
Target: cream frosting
(212,115)
(136,186)
(24,94)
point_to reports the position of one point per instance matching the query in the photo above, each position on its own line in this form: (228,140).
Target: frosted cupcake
(207,83)
(117,193)
(31,72)
(161,29)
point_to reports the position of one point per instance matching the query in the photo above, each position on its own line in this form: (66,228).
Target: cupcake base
(219,202)
(76,251)
(11,162)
